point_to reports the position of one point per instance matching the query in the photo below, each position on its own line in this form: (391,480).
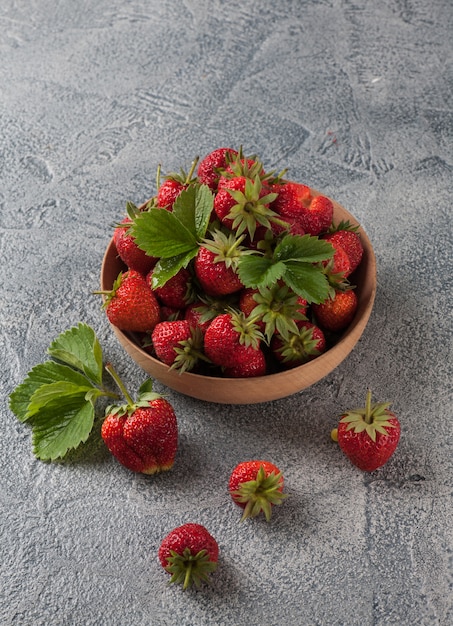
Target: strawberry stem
(191,171)
(110,369)
(368,407)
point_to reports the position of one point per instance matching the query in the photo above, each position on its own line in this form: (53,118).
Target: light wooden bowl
(260,388)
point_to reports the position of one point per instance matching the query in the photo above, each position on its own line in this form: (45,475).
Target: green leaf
(306,248)
(307,280)
(40,375)
(62,425)
(79,347)
(167,268)
(161,234)
(258,271)
(55,392)
(193,208)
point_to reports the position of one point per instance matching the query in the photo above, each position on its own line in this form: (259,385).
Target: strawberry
(216,263)
(369,436)
(278,308)
(347,237)
(291,200)
(177,344)
(256,486)
(242,203)
(210,168)
(189,553)
(226,333)
(199,315)
(131,305)
(172,186)
(128,251)
(298,348)
(336,312)
(295,200)
(249,362)
(176,293)
(141,435)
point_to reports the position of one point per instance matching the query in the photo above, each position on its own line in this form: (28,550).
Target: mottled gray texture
(354,97)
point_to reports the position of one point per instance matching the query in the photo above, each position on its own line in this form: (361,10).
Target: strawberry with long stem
(141,434)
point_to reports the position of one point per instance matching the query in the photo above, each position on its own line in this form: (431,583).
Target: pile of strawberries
(209,313)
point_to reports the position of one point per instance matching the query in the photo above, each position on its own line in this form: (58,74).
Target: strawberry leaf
(306,248)
(79,347)
(167,268)
(62,425)
(40,376)
(258,271)
(161,234)
(57,398)
(193,207)
(307,280)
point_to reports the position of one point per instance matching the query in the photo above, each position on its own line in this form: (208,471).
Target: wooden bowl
(260,388)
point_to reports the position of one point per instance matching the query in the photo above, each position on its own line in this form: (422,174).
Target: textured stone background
(354,97)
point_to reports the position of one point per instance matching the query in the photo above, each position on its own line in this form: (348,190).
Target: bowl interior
(260,388)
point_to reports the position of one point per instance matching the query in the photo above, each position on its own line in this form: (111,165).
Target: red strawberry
(226,333)
(216,262)
(249,362)
(339,264)
(349,240)
(133,256)
(199,315)
(172,186)
(337,312)
(318,217)
(292,199)
(176,293)
(256,486)
(298,348)
(369,436)
(210,168)
(189,553)
(295,200)
(131,305)
(177,344)
(142,435)
(242,204)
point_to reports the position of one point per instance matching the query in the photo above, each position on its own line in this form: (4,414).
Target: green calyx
(300,346)
(145,396)
(188,569)
(260,494)
(183,177)
(247,328)
(373,418)
(343,225)
(226,247)
(189,352)
(251,207)
(277,307)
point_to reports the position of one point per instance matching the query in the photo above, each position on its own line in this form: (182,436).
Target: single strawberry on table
(189,553)
(368,436)
(256,486)
(143,434)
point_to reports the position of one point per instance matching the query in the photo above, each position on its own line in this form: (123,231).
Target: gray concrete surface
(354,97)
